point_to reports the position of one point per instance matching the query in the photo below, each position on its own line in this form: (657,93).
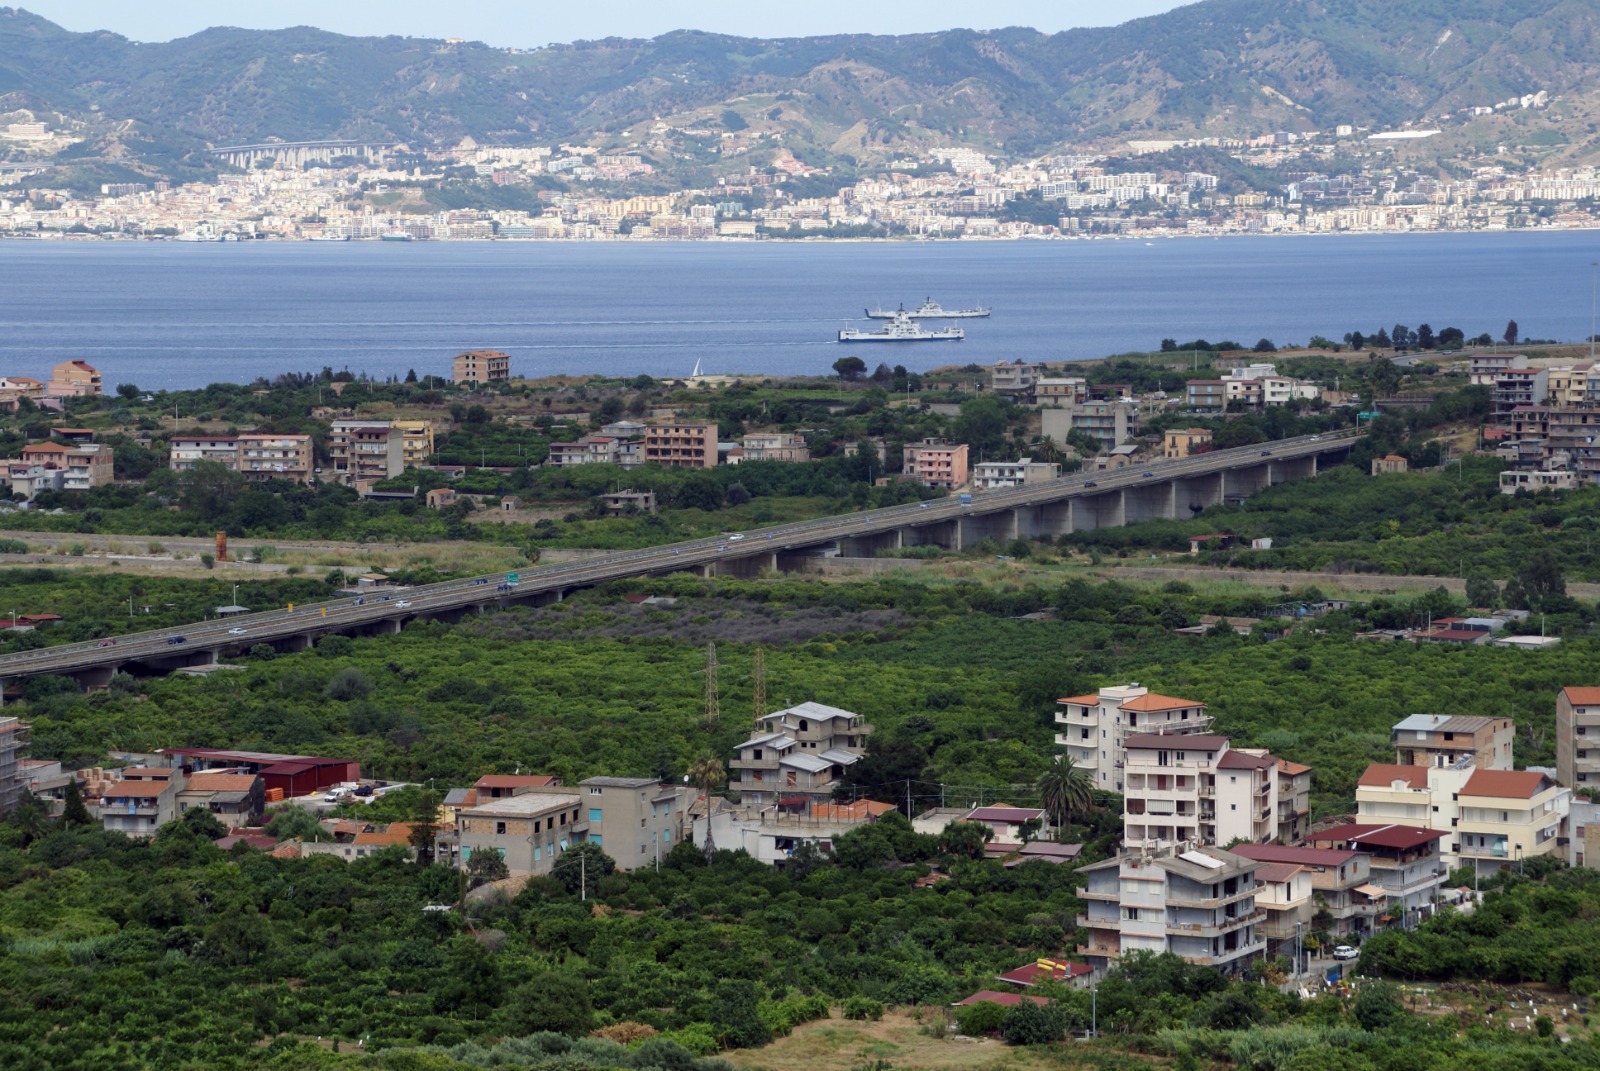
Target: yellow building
(416,443)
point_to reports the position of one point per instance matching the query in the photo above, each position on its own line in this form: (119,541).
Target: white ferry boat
(902,329)
(928,310)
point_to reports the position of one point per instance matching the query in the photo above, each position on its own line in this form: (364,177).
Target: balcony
(1214,902)
(1219,926)
(1102,897)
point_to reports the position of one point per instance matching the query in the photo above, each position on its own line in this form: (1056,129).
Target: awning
(1372,891)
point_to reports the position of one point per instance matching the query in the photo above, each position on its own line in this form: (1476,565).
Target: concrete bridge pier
(1195,493)
(748,566)
(97,679)
(1239,484)
(301,641)
(1045,519)
(1149,502)
(1000,527)
(946,534)
(1104,510)
(1293,468)
(868,545)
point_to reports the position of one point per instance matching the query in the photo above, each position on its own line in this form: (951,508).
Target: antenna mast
(760,688)
(711,684)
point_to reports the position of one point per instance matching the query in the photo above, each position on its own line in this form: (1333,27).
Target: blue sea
(178,315)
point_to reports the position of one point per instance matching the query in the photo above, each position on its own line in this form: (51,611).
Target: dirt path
(1373,583)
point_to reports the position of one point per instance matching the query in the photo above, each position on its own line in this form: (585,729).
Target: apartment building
(935,463)
(1094,728)
(1345,899)
(69,468)
(993,475)
(1486,367)
(1404,862)
(480,366)
(1198,904)
(267,456)
(1578,737)
(235,799)
(799,751)
(1515,387)
(1294,798)
(589,450)
(137,808)
(14,388)
(365,451)
(13,747)
(529,830)
(1388,463)
(1445,739)
(1014,377)
(73,379)
(1185,442)
(1196,789)
(1286,898)
(187,451)
(687,444)
(637,820)
(1109,423)
(1055,391)
(775,446)
(416,442)
(1206,395)
(1507,816)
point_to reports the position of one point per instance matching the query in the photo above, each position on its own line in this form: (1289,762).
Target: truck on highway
(966,500)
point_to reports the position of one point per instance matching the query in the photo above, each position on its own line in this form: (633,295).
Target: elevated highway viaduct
(1083,501)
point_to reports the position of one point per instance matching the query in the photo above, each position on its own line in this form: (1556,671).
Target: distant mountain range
(1219,67)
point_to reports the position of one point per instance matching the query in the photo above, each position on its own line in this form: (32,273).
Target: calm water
(170,315)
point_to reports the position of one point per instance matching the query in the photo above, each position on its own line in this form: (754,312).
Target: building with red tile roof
(1094,729)
(1578,737)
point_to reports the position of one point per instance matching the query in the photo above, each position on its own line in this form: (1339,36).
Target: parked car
(1346,952)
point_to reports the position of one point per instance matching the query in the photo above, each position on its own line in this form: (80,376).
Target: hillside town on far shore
(1349,180)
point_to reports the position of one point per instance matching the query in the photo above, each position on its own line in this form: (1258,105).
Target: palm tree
(1065,790)
(707,772)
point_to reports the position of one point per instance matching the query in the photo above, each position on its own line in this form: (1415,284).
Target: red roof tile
(1506,784)
(1582,697)
(1278,853)
(1384,774)
(1009,1000)
(1152,701)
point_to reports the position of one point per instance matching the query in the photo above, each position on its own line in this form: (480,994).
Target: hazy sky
(524,23)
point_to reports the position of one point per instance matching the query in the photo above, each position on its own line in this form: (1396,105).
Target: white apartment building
(1199,904)
(1195,789)
(1094,727)
(798,751)
(991,475)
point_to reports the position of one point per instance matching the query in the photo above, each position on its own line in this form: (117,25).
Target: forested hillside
(1220,67)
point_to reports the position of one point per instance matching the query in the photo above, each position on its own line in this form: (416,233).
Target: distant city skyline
(516,24)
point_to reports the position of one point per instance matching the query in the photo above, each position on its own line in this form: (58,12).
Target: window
(536,826)
(755,754)
(1131,914)
(594,840)
(1233,806)
(500,829)
(593,791)
(563,817)
(594,814)
(538,853)
(641,823)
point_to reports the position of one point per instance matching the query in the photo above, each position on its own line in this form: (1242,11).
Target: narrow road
(1374,583)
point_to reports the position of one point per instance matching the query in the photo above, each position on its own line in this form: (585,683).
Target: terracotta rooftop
(1278,853)
(1152,701)
(132,789)
(1081,700)
(1359,835)
(220,782)
(1277,871)
(1506,784)
(1582,697)
(516,781)
(1009,1000)
(1384,774)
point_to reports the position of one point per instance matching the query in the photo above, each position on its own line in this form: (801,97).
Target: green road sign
(513,578)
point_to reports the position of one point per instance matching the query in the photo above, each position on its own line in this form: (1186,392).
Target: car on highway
(1149,474)
(237,631)
(1266,453)
(1346,952)
(924,505)
(176,639)
(735,537)
(403,604)
(1090,483)
(1316,438)
(106,643)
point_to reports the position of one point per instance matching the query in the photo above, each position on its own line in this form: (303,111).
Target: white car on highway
(236,631)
